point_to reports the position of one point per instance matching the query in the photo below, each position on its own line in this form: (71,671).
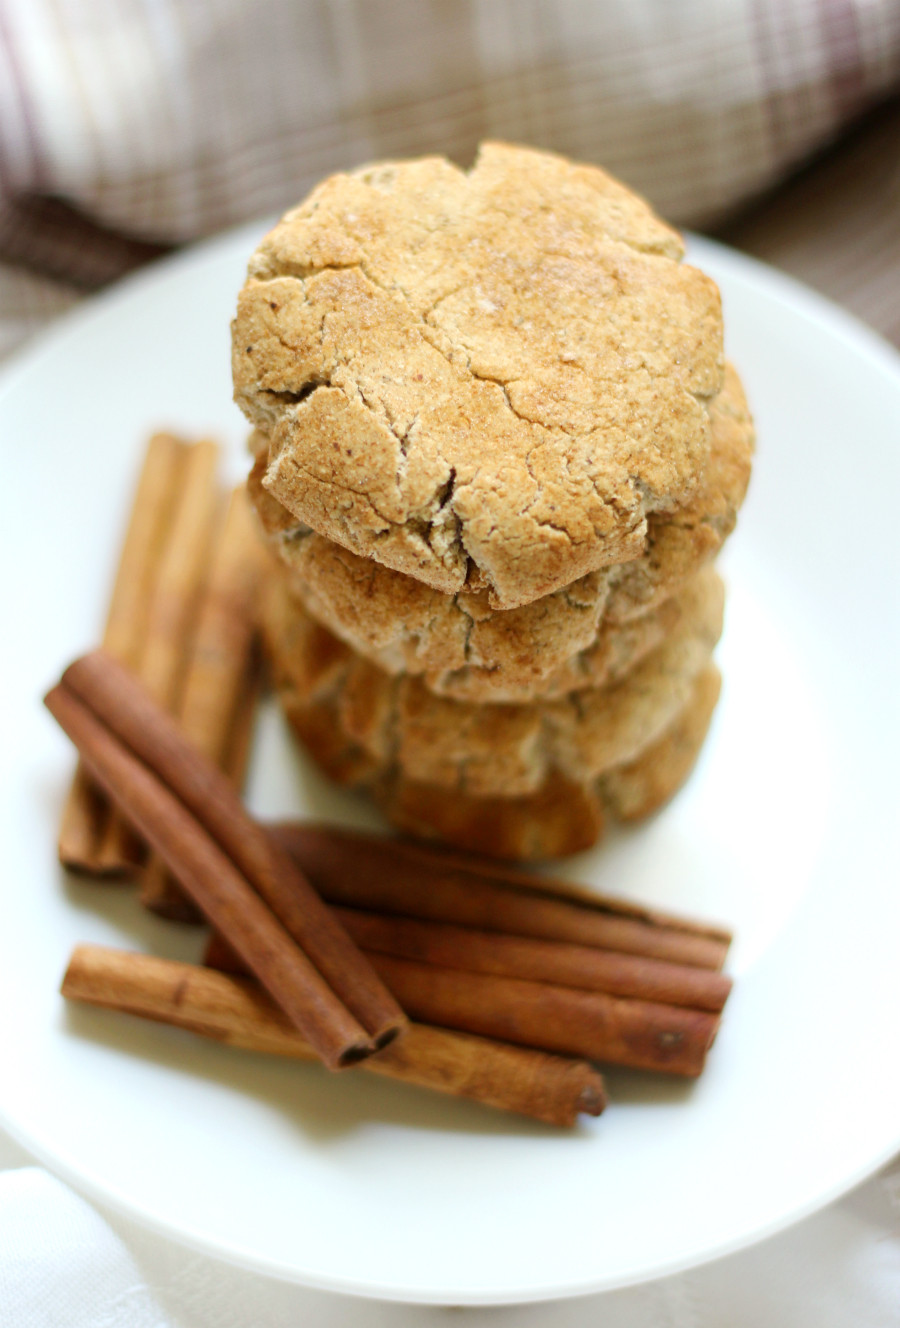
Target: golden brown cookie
(562,817)
(683,540)
(559,818)
(574,638)
(481,749)
(488,377)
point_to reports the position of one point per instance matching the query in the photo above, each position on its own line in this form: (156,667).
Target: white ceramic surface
(787,831)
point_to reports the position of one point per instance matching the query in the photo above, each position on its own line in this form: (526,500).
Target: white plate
(787,831)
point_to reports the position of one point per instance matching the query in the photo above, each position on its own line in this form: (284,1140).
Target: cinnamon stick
(394,876)
(160,892)
(641,1034)
(161,781)
(86,812)
(217,887)
(557,962)
(216,673)
(181,573)
(243,721)
(238,1013)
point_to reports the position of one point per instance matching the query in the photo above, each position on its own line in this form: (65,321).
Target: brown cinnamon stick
(243,722)
(180,575)
(557,962)
(641,1034)
(216,674)
(86,811)
(160,892)
(217,887)
(394,876)
(161,781)
(238,1013)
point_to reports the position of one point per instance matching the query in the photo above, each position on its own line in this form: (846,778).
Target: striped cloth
(128,126)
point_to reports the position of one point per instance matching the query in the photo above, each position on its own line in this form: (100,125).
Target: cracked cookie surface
(577,637)
(560,817)
(395,723)
(490,377)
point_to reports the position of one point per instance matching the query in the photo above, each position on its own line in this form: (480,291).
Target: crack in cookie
(501,373)
(467,650)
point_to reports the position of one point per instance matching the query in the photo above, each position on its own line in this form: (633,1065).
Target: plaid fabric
(127,127)
(837,224)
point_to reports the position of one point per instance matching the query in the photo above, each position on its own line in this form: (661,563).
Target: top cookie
(486,377)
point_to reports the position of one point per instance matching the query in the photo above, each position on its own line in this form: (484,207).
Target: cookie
(559,818)
(485,750)
(681,541)
(489,378)
(563,642)
(461,646)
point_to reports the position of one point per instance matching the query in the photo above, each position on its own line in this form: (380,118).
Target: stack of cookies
(497,448)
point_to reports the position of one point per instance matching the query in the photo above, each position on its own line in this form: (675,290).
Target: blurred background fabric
(131,126)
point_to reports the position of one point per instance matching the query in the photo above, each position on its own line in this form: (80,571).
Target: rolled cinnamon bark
(87,811)
(641,1034)
(143,742)
(216,673)
(160,892)
(394,876)
(238,1012)
(243,720)
(181,574)
(557,962)
(224,896)
(219,654)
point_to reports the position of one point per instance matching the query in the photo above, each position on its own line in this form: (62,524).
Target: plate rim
(106,1196)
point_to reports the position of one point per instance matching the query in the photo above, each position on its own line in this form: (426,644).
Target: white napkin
(62,1265)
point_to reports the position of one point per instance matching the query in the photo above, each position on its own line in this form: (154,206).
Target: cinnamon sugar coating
(491,378)
(559,817)
(483,750)
(580,636)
